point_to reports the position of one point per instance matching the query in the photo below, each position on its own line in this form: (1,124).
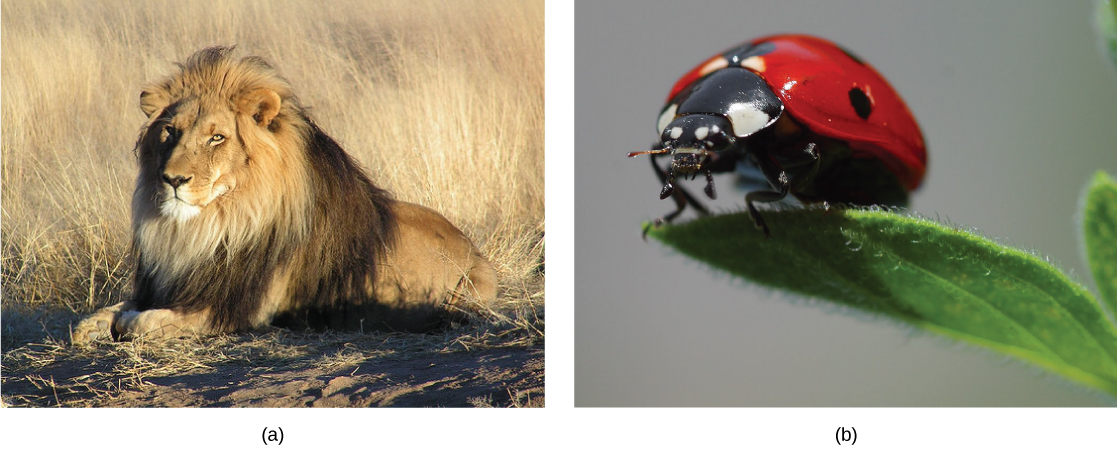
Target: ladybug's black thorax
(735,93)
(714,117)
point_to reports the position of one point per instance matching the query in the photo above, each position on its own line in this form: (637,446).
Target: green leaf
(935,277)
(1099,230)
(1106,15)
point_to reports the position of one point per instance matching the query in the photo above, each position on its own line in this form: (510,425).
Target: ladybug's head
(691,139)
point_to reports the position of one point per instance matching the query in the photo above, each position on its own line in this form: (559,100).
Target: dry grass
(99,375)
(442,102)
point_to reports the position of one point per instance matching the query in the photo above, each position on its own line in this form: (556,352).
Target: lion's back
(427,243)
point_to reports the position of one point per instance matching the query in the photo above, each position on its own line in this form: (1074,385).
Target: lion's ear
(261,104)
(152,101)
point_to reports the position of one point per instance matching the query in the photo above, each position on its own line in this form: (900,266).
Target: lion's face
(196,149)
(203,155)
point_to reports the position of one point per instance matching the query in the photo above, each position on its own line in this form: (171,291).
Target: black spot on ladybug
(851,55)
(861,103)
(736,55)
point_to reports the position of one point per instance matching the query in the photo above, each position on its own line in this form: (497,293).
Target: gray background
(1018,109)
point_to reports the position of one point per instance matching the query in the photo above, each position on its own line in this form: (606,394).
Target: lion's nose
(176,181)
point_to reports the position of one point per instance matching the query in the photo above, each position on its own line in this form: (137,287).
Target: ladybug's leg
(765,197)
(807,178)
(777,177)
(681,196)
(810,157)
(776,173)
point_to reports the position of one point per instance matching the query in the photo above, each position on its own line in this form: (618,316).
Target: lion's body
(246,213)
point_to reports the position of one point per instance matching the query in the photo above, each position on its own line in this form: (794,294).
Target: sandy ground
(280,369)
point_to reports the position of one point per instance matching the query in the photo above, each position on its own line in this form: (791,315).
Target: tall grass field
(441,102)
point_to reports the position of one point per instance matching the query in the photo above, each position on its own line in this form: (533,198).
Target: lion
(246,214)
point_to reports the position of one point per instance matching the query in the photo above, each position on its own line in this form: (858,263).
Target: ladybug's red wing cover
(837,95)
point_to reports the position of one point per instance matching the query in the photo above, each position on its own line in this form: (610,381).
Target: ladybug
(796,112)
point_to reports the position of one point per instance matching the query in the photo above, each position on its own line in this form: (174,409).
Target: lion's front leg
(124,321)
(161,323)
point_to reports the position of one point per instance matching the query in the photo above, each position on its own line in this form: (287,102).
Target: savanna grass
(442,102)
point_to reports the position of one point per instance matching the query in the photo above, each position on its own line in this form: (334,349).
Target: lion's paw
(97,327)
(127,324)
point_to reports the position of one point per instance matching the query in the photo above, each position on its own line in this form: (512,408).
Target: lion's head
(202,147)
(220,159)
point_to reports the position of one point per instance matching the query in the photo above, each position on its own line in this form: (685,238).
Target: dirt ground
(279,368)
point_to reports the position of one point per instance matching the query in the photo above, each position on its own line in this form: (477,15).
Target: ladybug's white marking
(747,120)
(676,132)
(702,132)
(754,63)
(666,118)
(715,64)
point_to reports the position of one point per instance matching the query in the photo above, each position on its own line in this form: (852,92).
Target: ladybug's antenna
(660,150)
(669,186)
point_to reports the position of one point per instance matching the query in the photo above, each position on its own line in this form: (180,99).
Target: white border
(560,423)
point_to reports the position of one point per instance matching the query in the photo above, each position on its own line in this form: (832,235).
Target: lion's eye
(169,132)
(216,139)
